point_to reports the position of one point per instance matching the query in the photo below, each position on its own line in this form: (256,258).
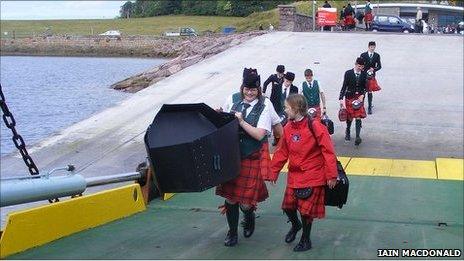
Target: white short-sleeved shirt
(300,90)
(275,119)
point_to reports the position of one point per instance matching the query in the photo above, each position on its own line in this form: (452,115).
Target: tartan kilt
(372,85)
(368,17)
(318,110)
(265,162)
(249,187)
(352,113)
(349,20)
(312,207)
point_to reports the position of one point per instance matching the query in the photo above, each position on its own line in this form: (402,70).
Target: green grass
(136,26)
(254,20)
(305,7)
(153,25)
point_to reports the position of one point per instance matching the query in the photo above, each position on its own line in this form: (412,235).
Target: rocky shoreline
(192,51)
(185,51)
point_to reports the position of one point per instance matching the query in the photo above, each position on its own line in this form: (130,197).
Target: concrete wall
(287,17)
(303,23)
(291,21)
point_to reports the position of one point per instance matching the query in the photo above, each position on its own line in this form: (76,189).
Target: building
(434,14)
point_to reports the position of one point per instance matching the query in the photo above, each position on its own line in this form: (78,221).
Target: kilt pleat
(352,113)
(249,187)
(312,207)
(372,85)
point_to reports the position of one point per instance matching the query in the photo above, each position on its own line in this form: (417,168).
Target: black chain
(17,139)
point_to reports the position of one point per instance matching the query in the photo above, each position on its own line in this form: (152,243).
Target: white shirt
(286,90)
(300,90)
(370,54)
(268,117)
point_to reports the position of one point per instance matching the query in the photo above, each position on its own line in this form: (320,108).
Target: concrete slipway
(418,115)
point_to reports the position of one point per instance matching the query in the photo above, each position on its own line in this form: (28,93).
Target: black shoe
(357,141)
(347,136)
(231,240)
(249,224)
(303,245)
(290,237)
(369,110)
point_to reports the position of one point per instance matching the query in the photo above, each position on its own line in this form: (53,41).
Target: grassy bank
(153,25)
(136,26)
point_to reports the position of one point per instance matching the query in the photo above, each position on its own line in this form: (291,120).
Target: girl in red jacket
(311,165)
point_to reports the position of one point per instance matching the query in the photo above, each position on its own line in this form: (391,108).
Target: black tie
(245,107)
(370,56)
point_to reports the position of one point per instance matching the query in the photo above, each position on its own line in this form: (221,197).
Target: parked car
(391,23)
(184,31)
(460,28)
(113,33)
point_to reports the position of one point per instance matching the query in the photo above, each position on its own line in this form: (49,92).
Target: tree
(148,8)
(457,3)
(223,8)
(126,10)
(194,7)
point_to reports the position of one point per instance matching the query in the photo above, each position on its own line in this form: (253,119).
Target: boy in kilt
(281,92)
(312,164)
(372,60)
(248,188)
(352,98)
(368,15)
(313,92)
(275,79)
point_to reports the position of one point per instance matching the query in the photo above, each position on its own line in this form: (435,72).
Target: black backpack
(337,196)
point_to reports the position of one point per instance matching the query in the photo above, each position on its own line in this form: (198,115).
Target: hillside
(152,25)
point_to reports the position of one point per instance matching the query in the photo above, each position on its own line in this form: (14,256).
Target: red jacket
(311,162)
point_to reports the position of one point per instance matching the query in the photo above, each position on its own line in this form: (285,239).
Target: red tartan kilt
(352,113)
(249,187)
(312,207)
(372,85)
(349,20)
(318,111)
(265,161)
(368,17)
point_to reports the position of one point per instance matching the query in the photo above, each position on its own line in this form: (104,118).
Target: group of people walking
(348,15)
(293,115)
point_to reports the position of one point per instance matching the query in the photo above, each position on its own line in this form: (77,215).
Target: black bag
(303,193)
(328,123)
(339,194)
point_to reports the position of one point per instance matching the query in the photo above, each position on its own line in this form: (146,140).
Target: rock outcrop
(192,50)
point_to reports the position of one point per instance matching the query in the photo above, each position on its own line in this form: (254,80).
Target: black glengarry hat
(289,76)
(251,79)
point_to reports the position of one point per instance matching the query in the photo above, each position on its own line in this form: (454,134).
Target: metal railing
(25,189)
